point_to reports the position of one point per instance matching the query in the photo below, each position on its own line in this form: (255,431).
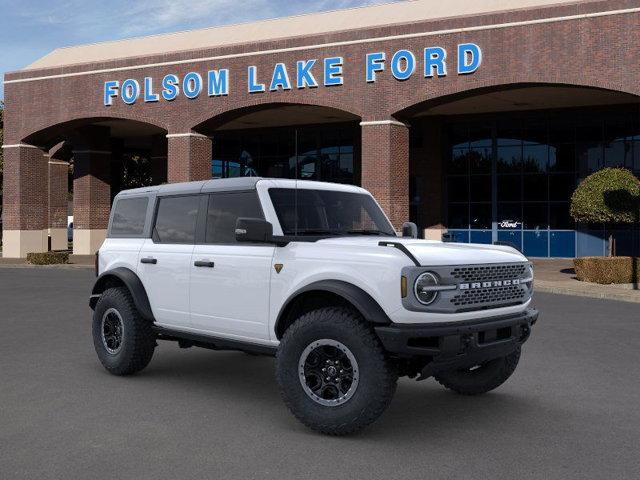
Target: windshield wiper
(368,232)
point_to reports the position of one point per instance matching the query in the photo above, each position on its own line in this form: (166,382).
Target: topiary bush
(611,195)
(607,270)
(48,258)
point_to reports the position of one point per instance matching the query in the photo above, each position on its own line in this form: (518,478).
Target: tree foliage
(611,195)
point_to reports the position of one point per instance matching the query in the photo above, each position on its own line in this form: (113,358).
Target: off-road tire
(377,376)
(138,339)
(483,379)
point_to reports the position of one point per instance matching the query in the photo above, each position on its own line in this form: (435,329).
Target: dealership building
(474,119)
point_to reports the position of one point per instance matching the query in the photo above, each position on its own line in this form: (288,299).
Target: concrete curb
(588,290)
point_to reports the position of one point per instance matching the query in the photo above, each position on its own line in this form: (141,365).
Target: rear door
(164,263)
(230,280)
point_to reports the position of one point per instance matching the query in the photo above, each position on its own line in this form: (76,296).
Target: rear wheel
(480,378)
(333,373)
(122,339)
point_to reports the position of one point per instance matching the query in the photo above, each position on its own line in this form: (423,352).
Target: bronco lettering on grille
(493,283)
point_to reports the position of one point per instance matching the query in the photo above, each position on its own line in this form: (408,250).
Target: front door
(230,280)
(164,262)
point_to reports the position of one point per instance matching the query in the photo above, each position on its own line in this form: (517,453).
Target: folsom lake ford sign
(308,73)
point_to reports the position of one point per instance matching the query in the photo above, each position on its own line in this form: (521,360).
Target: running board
(187,339)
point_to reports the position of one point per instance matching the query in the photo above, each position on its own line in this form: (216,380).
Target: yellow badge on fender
(278,267)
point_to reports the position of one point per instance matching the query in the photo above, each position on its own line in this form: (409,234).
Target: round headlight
(423,288)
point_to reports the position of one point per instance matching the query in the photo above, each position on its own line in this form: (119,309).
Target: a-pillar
(189,157)
(58,191)
(158,159)
(385,167)
(25,211)
(91,190)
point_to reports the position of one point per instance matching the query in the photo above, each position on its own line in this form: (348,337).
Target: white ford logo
(492,283)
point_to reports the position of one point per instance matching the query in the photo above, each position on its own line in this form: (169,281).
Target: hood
(432,253)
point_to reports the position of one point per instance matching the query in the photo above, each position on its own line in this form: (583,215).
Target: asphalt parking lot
(569,411)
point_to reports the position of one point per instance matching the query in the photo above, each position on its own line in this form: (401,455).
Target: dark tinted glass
(223,211)
(327,212)
(129,216)
(176,219)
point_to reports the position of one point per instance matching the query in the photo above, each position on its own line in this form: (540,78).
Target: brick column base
(24,201)
(189,157)
(385,167)
(58,189)
(91,199)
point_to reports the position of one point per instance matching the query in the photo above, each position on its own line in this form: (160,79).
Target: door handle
(149,260)
(203,263)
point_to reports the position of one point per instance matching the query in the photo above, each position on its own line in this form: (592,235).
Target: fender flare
(364,303)
(133,284)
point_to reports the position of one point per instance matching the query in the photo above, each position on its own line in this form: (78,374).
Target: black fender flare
(364,303)
(133,284)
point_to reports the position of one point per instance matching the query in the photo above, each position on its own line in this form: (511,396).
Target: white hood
(432,253)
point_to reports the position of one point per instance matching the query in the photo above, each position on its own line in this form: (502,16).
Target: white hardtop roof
(286,27)
(236,184)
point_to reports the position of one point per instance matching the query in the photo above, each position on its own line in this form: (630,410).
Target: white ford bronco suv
(314,274)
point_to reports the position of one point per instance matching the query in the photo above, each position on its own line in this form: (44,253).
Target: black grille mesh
(490,295)
(489,272)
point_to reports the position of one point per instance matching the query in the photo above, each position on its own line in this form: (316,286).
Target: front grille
(492,295)
(489,272)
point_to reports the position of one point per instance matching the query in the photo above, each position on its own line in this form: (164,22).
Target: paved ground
(570,411)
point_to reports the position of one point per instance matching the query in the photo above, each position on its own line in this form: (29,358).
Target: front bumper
(452,345)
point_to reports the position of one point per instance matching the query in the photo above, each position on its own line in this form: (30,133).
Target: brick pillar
(189,157)
(159,159)
(25,200)
(58,190)
(385,167)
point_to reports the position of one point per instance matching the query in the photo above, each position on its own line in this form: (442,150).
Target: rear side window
(129,216)
(176,219)
(223,211)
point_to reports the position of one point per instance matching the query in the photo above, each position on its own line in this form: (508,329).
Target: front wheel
(480,378)
(333,373)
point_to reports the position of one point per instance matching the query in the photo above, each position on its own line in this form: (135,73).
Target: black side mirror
(409,230)
(254,230)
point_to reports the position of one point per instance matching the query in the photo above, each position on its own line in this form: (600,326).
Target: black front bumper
(452,345)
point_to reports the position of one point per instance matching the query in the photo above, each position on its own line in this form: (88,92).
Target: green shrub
(48,258)
(611,195)
(606,270)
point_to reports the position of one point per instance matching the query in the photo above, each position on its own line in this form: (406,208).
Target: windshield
(328,212)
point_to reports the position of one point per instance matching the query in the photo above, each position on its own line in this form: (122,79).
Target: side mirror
(254,230)
(409,230)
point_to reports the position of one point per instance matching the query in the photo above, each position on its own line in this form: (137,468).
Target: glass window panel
(559,217)
(509,187)
(459,236)
(562,244)
(480,216)
(481,188)
(509,159)
(535,158)
(535,244)
(509,216)
(561,130)
(458,189)
(589,157)
(480,160)
(513,237)
(561,187)
(217,169)
(509,133)
(129,216)
(619,127)
(223,212)
(562,157)
(618,154)
(589,130)
(458,216)
(459,135)
(636,156)
(481,236)
(535,133)
(480,136)
(459,161)
(535,216)
(535,187)
(176,219)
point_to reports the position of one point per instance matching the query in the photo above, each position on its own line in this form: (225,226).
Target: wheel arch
(123,277)
(328,293)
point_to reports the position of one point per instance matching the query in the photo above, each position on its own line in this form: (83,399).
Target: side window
(223,211)
(176,219)
(129,216)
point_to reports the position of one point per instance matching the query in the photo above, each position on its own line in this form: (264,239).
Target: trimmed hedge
(611,195)
(48,258)
(607,270)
